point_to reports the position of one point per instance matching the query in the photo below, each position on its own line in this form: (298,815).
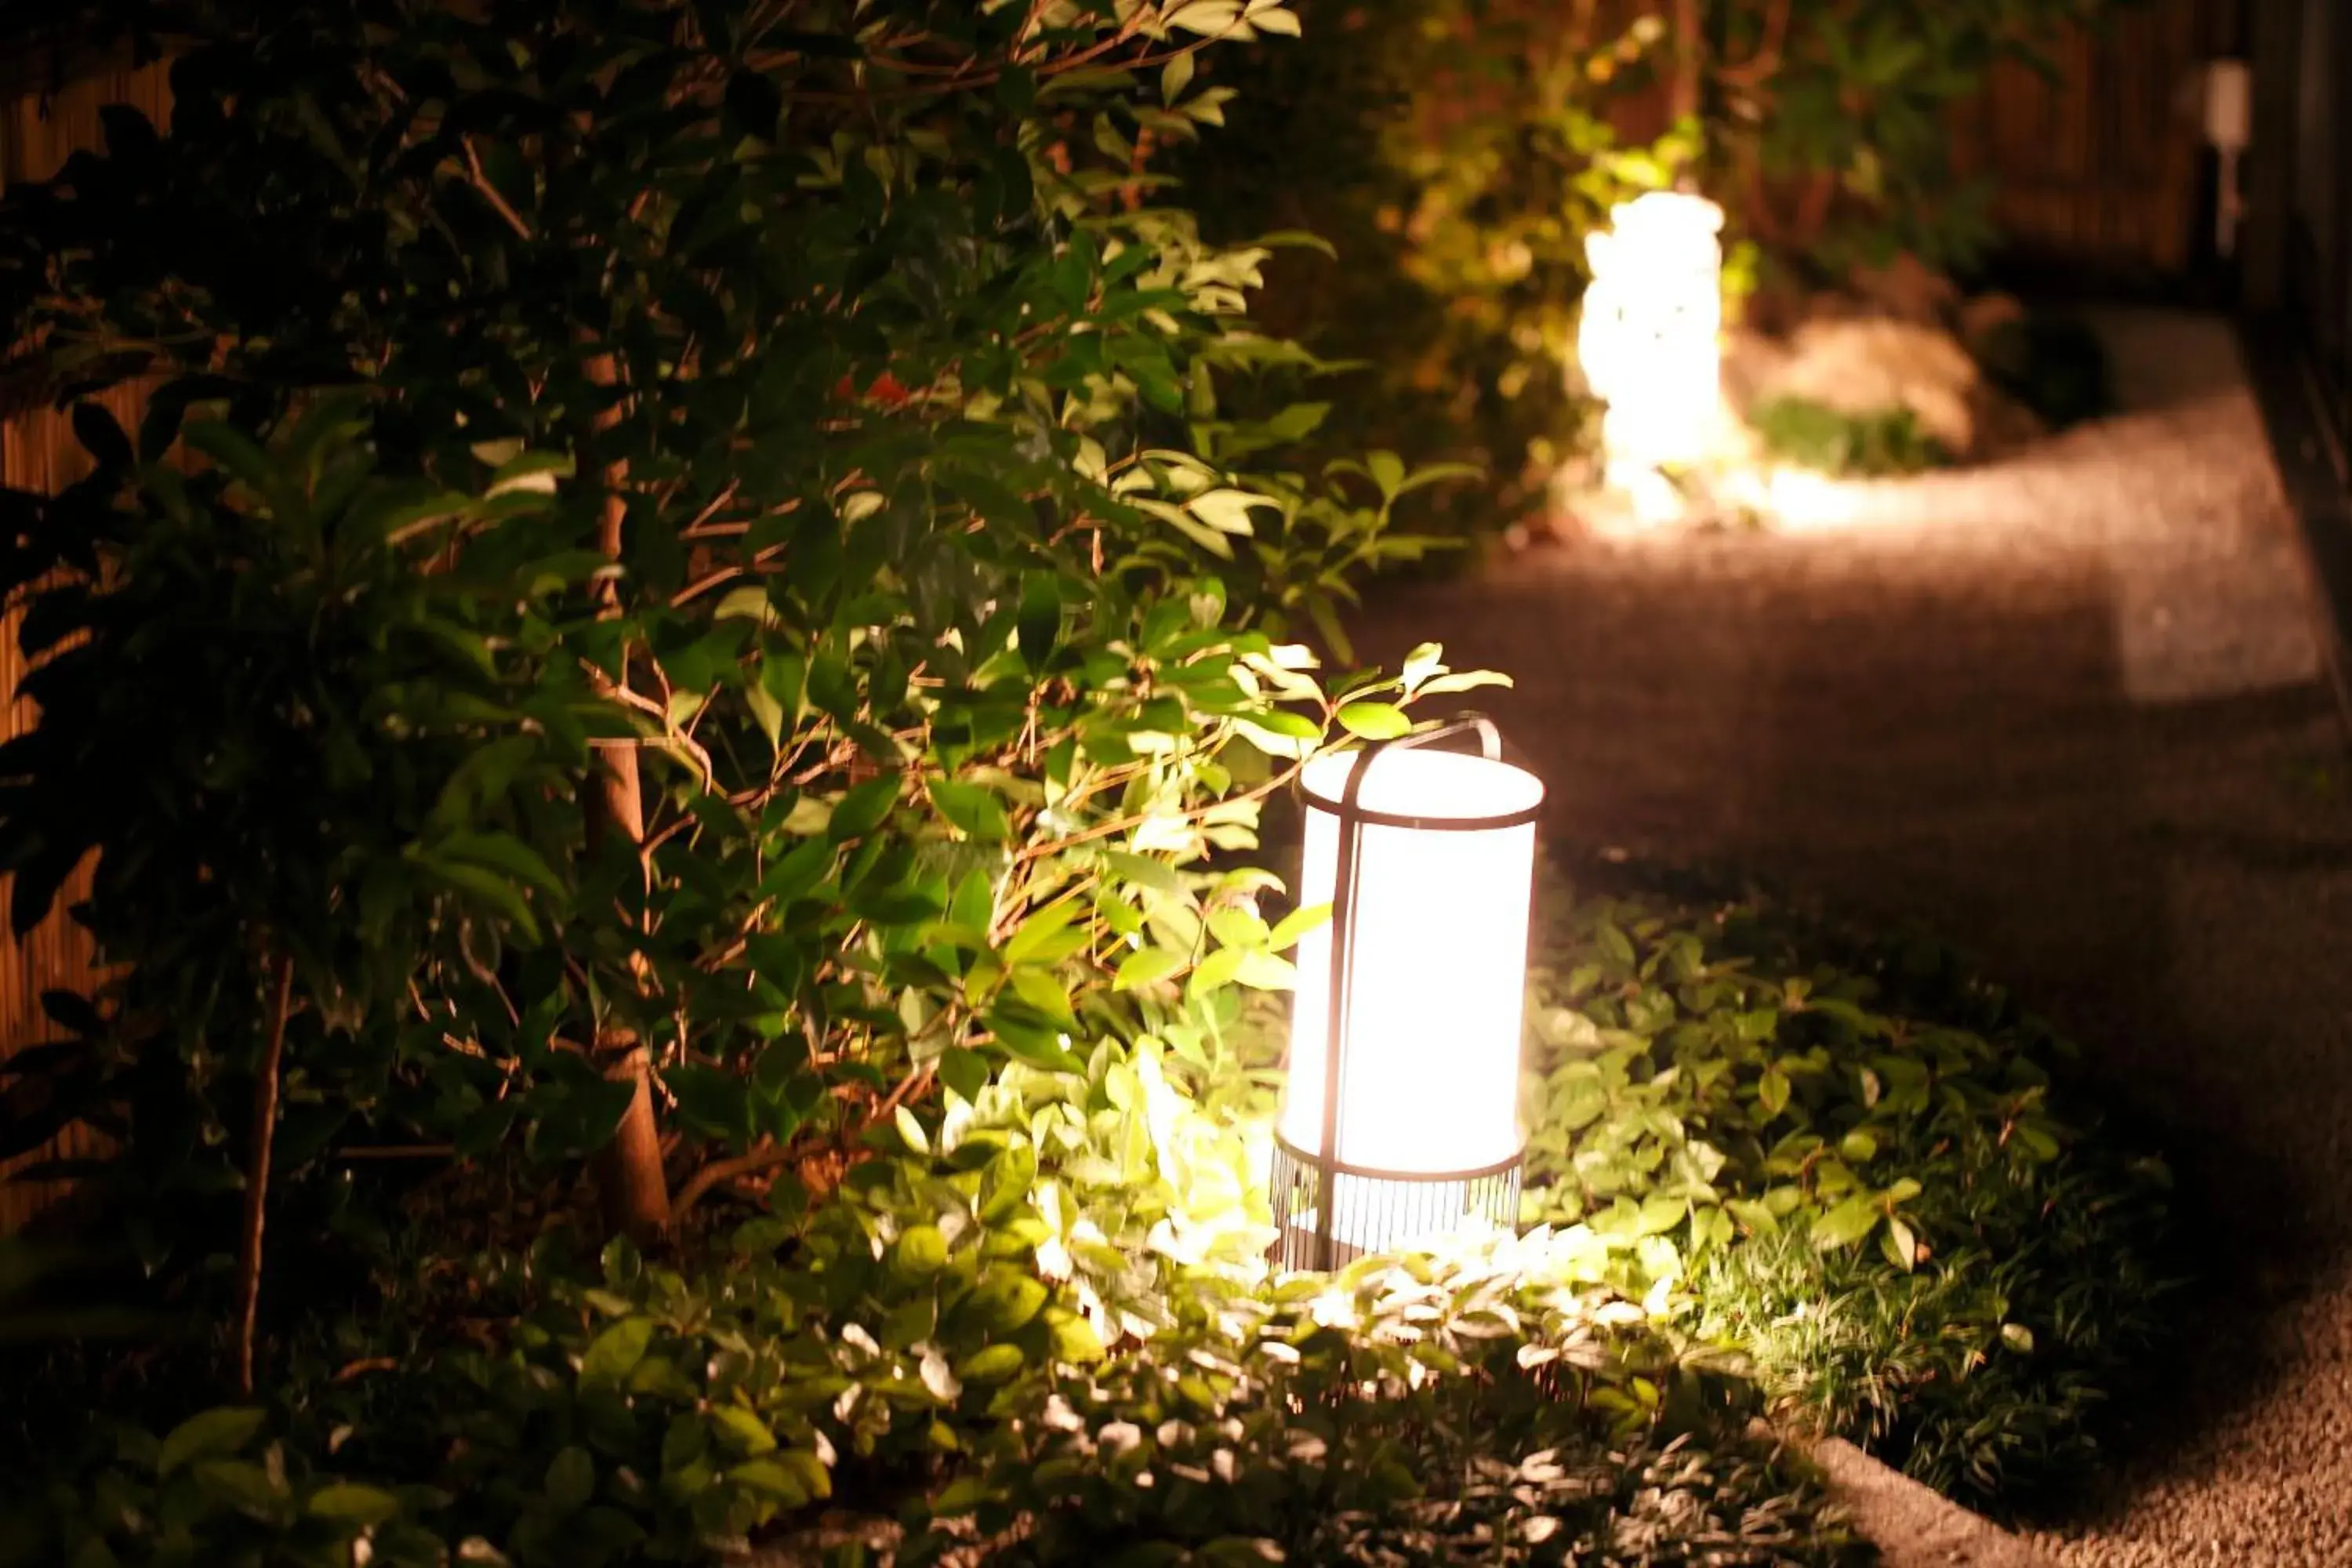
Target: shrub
(694,624)
(1815,436)
(1457,152)
(690,611)
(1851,1161)
(835,732)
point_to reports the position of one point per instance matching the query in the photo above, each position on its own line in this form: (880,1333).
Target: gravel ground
(2068,711)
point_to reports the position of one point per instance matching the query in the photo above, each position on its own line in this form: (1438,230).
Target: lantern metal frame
(1302,1177)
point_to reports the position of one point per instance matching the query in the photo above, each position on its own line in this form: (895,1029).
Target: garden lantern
(1649,340)
(1400,1118)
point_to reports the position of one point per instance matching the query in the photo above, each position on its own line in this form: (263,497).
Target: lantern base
(1378,1211)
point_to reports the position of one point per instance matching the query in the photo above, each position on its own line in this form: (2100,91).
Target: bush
(1854,1162)
(1457,152)
(680,661)
(672,702)
(1815,436)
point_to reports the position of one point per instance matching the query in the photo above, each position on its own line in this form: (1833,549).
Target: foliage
(926,1343)
(1456,155)
(1815,435)
(704,610)
(843,725)
(1501,132)
(1830,123)
(665,598)
(2054,365)
(1404,1411)
(1845,1159)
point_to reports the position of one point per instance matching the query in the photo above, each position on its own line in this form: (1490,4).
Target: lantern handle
(1490,744)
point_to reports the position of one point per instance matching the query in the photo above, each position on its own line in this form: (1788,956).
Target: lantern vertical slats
(39,453)
(1405,1124)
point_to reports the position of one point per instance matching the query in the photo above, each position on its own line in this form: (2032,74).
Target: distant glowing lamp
(1400,1120)
(1649,340)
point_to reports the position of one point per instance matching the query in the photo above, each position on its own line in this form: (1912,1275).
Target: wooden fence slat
(2103,169)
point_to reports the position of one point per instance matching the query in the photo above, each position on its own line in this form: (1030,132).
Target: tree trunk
(631,1183)
(1689,48)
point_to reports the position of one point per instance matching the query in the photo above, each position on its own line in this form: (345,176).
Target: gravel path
(2068,711)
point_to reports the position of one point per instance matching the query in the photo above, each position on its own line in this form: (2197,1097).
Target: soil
(2068,710)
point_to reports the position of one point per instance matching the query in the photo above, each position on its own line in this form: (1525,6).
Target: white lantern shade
(1435,923)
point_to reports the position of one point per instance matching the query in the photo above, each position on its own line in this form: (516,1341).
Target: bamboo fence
(38,452)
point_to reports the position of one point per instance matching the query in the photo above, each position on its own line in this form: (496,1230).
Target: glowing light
(1650,341)
(1430,930)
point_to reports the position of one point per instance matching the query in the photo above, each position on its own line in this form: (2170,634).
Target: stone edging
(1913,1526)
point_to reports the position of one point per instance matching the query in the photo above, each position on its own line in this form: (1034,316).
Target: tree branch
(770,1153)
(256,1177)
(481,183)
(1753,71)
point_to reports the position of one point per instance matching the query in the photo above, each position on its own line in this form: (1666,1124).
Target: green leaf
(1227,511)
(240,1483)
(1262,971)
(571,1479)
(972,808)
(1175,77)
(1374,720)
(921,1250)
(799,872)
(1043,992)
(533,472)
(771,1478)
(1295,924)
(1075,1341)
(1147,966)
(993,1364)
(1038,622)
(863,809)
(1035,938)
(963,1070)
(1900,1245)
(910,1131)
(1145,871)
(1845,1224)
(743,1432)
(1772,1091)
(614,1353)
(214,1434)
(1216,971)
(354,1503)
(1236,926)
(1005,1300)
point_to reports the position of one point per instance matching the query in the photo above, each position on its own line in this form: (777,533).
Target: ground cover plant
(672,702)
(1869,1169)
(1815,435)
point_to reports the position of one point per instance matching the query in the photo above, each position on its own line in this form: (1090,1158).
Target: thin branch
(1120,824)
(767,1156)
(1752,72)
(256,1177)
(695,590)
(481,183)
